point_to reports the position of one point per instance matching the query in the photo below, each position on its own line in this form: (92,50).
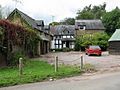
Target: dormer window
(82,27)
(65,32)
(39,25)
(68,32)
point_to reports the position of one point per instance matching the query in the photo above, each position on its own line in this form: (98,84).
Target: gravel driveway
(100,62)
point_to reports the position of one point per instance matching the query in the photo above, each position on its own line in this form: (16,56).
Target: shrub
(58,50)
(66,49)
(89,68)
(100,39)
(14,57)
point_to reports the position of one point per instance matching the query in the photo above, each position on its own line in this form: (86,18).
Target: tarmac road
(108,81)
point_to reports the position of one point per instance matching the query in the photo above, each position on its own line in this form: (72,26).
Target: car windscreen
(94,47)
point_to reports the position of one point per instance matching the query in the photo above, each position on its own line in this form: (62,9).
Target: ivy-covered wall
(16,18)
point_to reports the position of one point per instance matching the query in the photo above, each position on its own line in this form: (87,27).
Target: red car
(93,50)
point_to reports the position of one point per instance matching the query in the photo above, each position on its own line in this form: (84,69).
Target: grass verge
(35,71)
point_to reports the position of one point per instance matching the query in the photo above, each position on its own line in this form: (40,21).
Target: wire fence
(75,61)
(78,61)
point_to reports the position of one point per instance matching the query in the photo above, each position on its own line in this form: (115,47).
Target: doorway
(67,44)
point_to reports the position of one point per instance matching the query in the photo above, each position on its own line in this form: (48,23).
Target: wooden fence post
(56,63)
(20,66)
(81,62)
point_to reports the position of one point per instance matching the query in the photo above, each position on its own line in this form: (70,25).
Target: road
(107,81)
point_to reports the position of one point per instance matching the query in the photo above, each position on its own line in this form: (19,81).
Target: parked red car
(93,50)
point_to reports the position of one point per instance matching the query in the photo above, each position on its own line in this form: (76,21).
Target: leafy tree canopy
(89,12)
(54,23)
(111,20)
(100,39)
(68,21)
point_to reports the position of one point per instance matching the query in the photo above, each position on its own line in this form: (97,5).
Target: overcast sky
(60,9)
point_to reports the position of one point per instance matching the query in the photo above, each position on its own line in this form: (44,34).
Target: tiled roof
(58,29)
(90,24)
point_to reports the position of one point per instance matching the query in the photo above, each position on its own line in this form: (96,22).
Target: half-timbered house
(63,36)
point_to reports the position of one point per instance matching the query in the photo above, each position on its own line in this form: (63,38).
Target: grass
(89,68)
(35,71)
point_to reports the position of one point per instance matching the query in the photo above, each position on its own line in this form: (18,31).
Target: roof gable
(115,36)
(33,23)
(90,24)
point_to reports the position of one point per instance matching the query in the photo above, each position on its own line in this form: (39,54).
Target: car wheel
(99,54)
(88,54)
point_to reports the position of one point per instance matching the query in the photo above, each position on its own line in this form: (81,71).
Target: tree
(111,20)
(0,11)
(95,12)
(85,15)
(68,21)
(4,11)
(100,39)
(54,23)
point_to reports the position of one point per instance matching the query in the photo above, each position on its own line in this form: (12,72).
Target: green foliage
(68,21)
(77,44)
(56,50)
(89,68)
(85,15)
(35,71)
(17,36)
(95,12)
(66,49)
(111,20)
(54,23)
(31,44)
(14,57)
(0,11)
(100,39)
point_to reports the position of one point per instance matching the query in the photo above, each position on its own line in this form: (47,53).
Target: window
(60,42)
(56,41)
(56,46)
(82,27)
(68,36)
(72,37)
(64,36)
(60,46)
(68,32)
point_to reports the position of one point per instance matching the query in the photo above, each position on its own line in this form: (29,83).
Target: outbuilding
(114,43)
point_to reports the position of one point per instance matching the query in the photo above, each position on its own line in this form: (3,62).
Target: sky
(55,10)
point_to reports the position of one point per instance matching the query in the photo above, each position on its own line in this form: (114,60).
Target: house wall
(57,42)
(81,32)
(114,47)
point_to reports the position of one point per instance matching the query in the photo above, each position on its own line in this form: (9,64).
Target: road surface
(108,81)
(105,61)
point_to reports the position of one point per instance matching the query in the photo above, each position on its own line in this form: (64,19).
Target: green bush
(89,68)
(100,39)
(56,50)
(66,49)
(14,57)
